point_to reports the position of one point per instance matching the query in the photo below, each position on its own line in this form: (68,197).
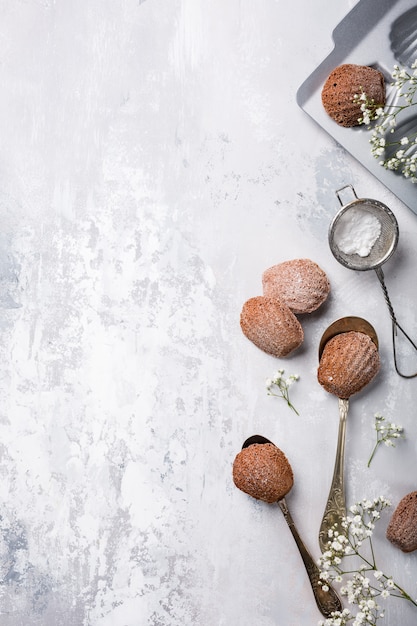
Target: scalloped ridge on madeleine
(263,471)
(271,325)
(349,362)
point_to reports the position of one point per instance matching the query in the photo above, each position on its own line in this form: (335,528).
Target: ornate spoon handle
(327,601)
(336,503)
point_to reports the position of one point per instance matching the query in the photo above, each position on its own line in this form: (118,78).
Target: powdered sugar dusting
(356,232)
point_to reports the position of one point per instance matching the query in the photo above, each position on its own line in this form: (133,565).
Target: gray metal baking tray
(379,33)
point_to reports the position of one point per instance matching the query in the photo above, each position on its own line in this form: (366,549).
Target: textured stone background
(153,163)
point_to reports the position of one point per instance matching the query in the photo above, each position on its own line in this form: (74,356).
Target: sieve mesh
(384,246)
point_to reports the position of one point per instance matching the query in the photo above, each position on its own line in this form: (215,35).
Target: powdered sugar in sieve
(356,232)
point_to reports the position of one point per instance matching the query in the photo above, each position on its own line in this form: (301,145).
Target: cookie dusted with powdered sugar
(300,283)
(271,326)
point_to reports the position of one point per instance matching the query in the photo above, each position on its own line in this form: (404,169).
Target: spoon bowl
(327,601)
(347,324)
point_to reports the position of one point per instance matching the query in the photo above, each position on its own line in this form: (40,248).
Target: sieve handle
(395,324)
(351,187)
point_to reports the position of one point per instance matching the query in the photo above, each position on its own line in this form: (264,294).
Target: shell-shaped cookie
(300,283)
(402,528)
(348,363)
(271,326)
(263,472)
(343,84)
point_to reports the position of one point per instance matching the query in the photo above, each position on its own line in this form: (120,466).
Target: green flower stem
(404,595)
(285,397)
(373,452)
(281,384)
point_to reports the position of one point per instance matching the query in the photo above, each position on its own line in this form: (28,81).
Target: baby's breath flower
(398,151)
(279,386)
(358,586)
(386,432)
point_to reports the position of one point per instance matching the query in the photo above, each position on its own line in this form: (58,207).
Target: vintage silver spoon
(335,508)
(327,601)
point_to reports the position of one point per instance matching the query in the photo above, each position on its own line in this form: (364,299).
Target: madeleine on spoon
(348,363)
(263,472)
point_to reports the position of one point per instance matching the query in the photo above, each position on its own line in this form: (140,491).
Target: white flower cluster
(362,583)
(386,433)
(391,138)
(279,386)
(370,109)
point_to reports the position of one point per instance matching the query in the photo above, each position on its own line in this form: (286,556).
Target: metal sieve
(381,251)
